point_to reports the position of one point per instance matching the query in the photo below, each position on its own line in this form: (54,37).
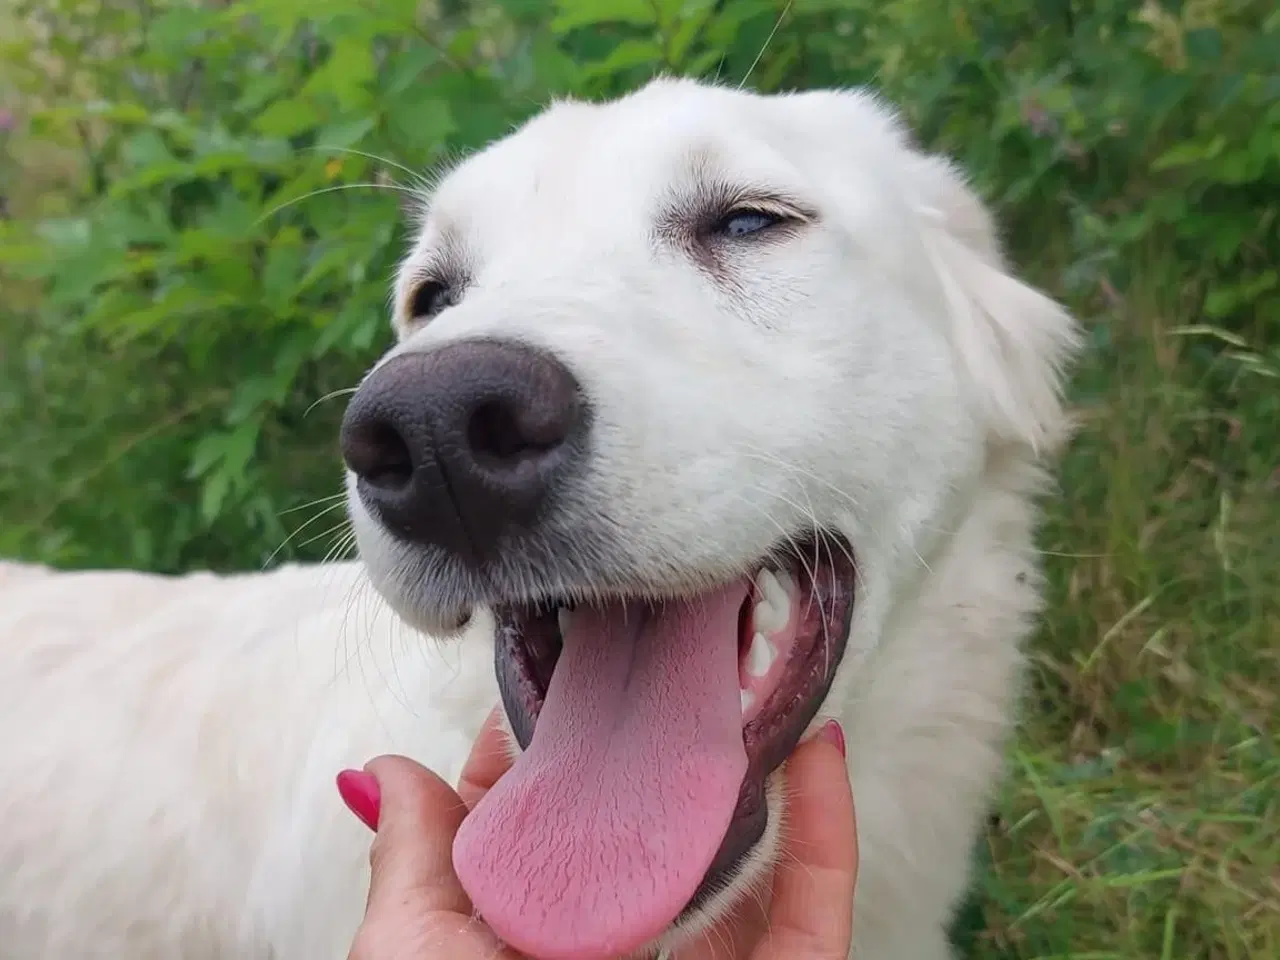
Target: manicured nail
(833,733)
(360,792)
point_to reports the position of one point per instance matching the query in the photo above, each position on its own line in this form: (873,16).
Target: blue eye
(740,223)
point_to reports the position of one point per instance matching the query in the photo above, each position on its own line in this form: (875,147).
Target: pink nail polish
(360,792)
(833,733)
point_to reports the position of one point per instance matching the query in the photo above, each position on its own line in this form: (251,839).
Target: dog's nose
(463,446)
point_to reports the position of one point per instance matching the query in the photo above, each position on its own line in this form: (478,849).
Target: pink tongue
(601,832)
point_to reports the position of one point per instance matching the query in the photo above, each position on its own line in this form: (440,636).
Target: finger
(412,855)
(411,935)
(812,911)
(735,935)
(491,757)
(818,838)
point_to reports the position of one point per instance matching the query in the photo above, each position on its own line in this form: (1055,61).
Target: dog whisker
(318,515)
(331,395)
(313,503)
(765,46)
(336,188)
(414,175)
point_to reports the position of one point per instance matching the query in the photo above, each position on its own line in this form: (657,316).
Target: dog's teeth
(778,589)
(765,618)
(764,579)
(787,582)
(562,618)
(760,656)
(748,698)
(773,612)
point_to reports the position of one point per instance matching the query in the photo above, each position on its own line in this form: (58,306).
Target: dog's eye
(430,298)
(740,223)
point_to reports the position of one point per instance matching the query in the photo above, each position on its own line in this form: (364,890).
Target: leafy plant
(235,218)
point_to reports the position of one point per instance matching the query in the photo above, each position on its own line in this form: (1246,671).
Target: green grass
(1141,815)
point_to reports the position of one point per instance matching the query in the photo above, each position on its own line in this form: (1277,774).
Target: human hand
(417,909)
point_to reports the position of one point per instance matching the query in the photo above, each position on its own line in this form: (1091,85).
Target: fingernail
(833,733)
(360,792)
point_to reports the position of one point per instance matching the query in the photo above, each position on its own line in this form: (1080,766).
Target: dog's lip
(770,738)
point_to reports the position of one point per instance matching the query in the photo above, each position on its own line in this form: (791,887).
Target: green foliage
(205,207)
(222,264)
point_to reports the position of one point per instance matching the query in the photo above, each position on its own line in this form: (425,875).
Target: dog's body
(171,743)
(171,748)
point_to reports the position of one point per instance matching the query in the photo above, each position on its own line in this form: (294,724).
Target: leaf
(1223,300)
(1191,152)
(524,8)
(690,25)
(212,494)
(284,118)
(67,234)
(261,88)
(355,325)
(230,219)
(206,453)
(627,54)
(146,147)
(421,120)
(239,447)
(347,75)
(223,460)
(281,274)
(572,14)
(1203,45)
(345,133)
(331,263)
(409,67)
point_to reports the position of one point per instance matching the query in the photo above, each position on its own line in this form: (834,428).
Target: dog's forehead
(590,158)
(580,178)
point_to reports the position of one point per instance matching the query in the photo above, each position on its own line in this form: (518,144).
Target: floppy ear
(1013,343)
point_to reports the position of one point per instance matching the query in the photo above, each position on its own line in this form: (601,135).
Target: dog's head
(686,385)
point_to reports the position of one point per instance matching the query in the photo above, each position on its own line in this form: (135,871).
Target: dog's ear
(1014,344)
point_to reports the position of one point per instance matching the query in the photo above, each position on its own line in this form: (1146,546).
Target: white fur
(166,781)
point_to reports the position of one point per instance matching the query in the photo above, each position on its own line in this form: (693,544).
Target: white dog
(712,415)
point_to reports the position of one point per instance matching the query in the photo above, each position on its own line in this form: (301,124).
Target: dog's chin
(439,623)
(402,575)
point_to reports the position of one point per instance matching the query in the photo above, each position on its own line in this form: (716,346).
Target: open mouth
(650,726)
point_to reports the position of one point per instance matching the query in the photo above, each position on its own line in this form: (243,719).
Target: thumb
(412,854)
(811,913)
(491,757)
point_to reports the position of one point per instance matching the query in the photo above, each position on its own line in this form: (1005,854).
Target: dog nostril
(378,454)
(462,447)
(498,437)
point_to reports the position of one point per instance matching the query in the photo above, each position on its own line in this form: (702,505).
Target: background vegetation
(196,232)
